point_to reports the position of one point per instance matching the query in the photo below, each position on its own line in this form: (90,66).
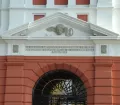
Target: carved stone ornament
(103,49)
(15,48)
(61,29)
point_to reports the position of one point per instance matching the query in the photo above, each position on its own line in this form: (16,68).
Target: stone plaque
(103,49)
(15,48)
(60,49)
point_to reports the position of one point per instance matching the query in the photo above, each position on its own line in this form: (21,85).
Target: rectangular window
(83,17)
(61,2)
(39,2)
(82,2)
(36,17)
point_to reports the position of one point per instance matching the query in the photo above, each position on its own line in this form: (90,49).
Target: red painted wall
(83,17)
(61,2)
(82,2)
(36,17)
(39,2)
(18,75)
(2,79)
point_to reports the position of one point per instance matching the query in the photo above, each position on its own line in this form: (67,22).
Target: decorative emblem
(60,29)
(15,48)
(103,49)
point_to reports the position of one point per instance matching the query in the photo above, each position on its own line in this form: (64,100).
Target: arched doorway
(59,87)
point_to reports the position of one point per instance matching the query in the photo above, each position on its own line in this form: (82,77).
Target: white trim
(85,13)
(107,50)
(61,16)
(33,14)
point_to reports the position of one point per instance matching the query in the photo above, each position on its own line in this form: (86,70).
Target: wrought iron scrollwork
(60,88)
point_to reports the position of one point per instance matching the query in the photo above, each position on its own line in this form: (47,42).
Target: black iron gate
(61,100)
(59,88)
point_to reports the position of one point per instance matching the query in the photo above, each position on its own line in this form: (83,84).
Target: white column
(116,3)
(92,18)
(93,2)
(29,3)
(104,3)
(71,3)
(16,16)
(0,14)
(4,15)
(116,20)
(104,14)
(50,4)
(116,16)
(104,18)
(15,48)
(17,3)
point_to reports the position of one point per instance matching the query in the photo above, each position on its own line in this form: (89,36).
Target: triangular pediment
(58,25)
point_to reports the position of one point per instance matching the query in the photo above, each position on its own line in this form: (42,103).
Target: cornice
(103,37)
(103,64)
(84,38)
(21,32)
(102,30)
(2,9)
(14,63)
(15,30)
(45,38)
(45,7)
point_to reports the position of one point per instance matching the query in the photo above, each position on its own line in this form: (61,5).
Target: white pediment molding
(16,30)
(59,16)
(97,29)
(96,32)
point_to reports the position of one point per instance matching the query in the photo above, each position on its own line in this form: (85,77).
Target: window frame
(83,4)
(38,14)
(61,4)
(83,14)
(38,4)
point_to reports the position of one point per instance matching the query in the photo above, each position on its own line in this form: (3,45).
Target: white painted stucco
(18,12)
(17,19)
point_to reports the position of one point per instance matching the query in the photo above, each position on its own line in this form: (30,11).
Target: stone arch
(75,70)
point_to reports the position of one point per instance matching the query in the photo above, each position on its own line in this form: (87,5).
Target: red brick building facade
(18,75)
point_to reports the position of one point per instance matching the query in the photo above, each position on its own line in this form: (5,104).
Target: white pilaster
(4,20)
(0,14)
(104,3)
(14,48)
(50,4)
(104,14)
(116,3)
(16,18)
(104,18)
(116,20)
(17,3)
(5,3)
(4,15)
(116,16)
(71,3)
(28,3)
(93,3)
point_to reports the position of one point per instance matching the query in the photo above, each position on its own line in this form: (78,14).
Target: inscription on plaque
(60,49)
